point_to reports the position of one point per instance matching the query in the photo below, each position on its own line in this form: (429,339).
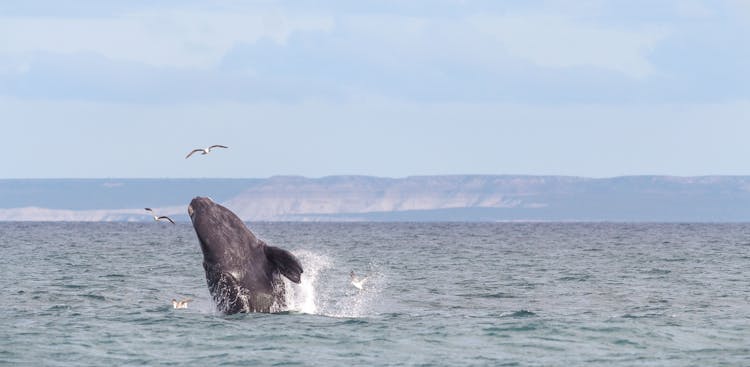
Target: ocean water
(508,294)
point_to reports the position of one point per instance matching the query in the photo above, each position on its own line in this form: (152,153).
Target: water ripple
(512,294)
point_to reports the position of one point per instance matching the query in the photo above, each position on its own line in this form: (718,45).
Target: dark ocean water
(437,294)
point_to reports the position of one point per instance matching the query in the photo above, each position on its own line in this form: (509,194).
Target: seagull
(356,282)
(205,150)
(180,304)
(157,218)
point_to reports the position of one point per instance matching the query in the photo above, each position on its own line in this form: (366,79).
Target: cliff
(418,198)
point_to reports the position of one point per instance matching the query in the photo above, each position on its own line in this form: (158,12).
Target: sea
(436,294)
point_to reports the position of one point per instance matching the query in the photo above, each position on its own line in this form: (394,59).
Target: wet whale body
(243,272)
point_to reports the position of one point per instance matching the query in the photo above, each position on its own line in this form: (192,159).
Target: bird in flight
(180,304)
(158,218)
(205,150)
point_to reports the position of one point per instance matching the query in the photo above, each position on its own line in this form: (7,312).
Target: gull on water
(157,218)
(357,282)
(180,304)
(205,150)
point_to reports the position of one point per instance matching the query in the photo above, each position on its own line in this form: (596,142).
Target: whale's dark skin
(243,273)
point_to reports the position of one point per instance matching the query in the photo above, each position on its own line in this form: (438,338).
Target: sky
(125,89)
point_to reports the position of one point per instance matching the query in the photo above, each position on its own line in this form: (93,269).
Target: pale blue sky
(386,88)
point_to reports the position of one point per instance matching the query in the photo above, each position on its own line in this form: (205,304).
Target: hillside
(363,198)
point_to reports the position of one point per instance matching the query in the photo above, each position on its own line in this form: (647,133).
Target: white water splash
(354,302)
(326,290)
(303,297)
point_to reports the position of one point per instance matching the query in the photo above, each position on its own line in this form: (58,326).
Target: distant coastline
(365,198)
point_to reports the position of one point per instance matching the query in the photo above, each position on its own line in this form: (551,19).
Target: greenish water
(437,294)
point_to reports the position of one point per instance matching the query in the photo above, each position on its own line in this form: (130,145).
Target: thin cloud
(537,52)
(180,39)
(558,42)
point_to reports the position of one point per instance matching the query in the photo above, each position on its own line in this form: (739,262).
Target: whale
(243,273)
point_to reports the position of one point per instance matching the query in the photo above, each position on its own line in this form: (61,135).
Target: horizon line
(377,176)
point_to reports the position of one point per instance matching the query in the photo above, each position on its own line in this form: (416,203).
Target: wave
(519,313)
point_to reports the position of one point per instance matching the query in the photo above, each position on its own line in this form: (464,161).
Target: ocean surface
(437,294)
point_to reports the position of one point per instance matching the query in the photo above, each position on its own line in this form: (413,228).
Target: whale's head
(223,237)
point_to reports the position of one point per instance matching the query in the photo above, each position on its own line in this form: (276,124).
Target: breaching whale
(243,273)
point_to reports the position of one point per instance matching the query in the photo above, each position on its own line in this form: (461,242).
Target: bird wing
(186,300)
(148,209)
(165,217)
(217,146)
(191,153)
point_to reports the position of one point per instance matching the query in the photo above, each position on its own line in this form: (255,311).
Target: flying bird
(157,218)
(357,282)
(205,150)
(180,304)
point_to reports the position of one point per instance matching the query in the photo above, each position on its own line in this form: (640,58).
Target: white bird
(356,282)
(180,304)
(157,218)
(205,150)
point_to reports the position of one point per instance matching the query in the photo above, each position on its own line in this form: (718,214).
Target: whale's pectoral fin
(287,264)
